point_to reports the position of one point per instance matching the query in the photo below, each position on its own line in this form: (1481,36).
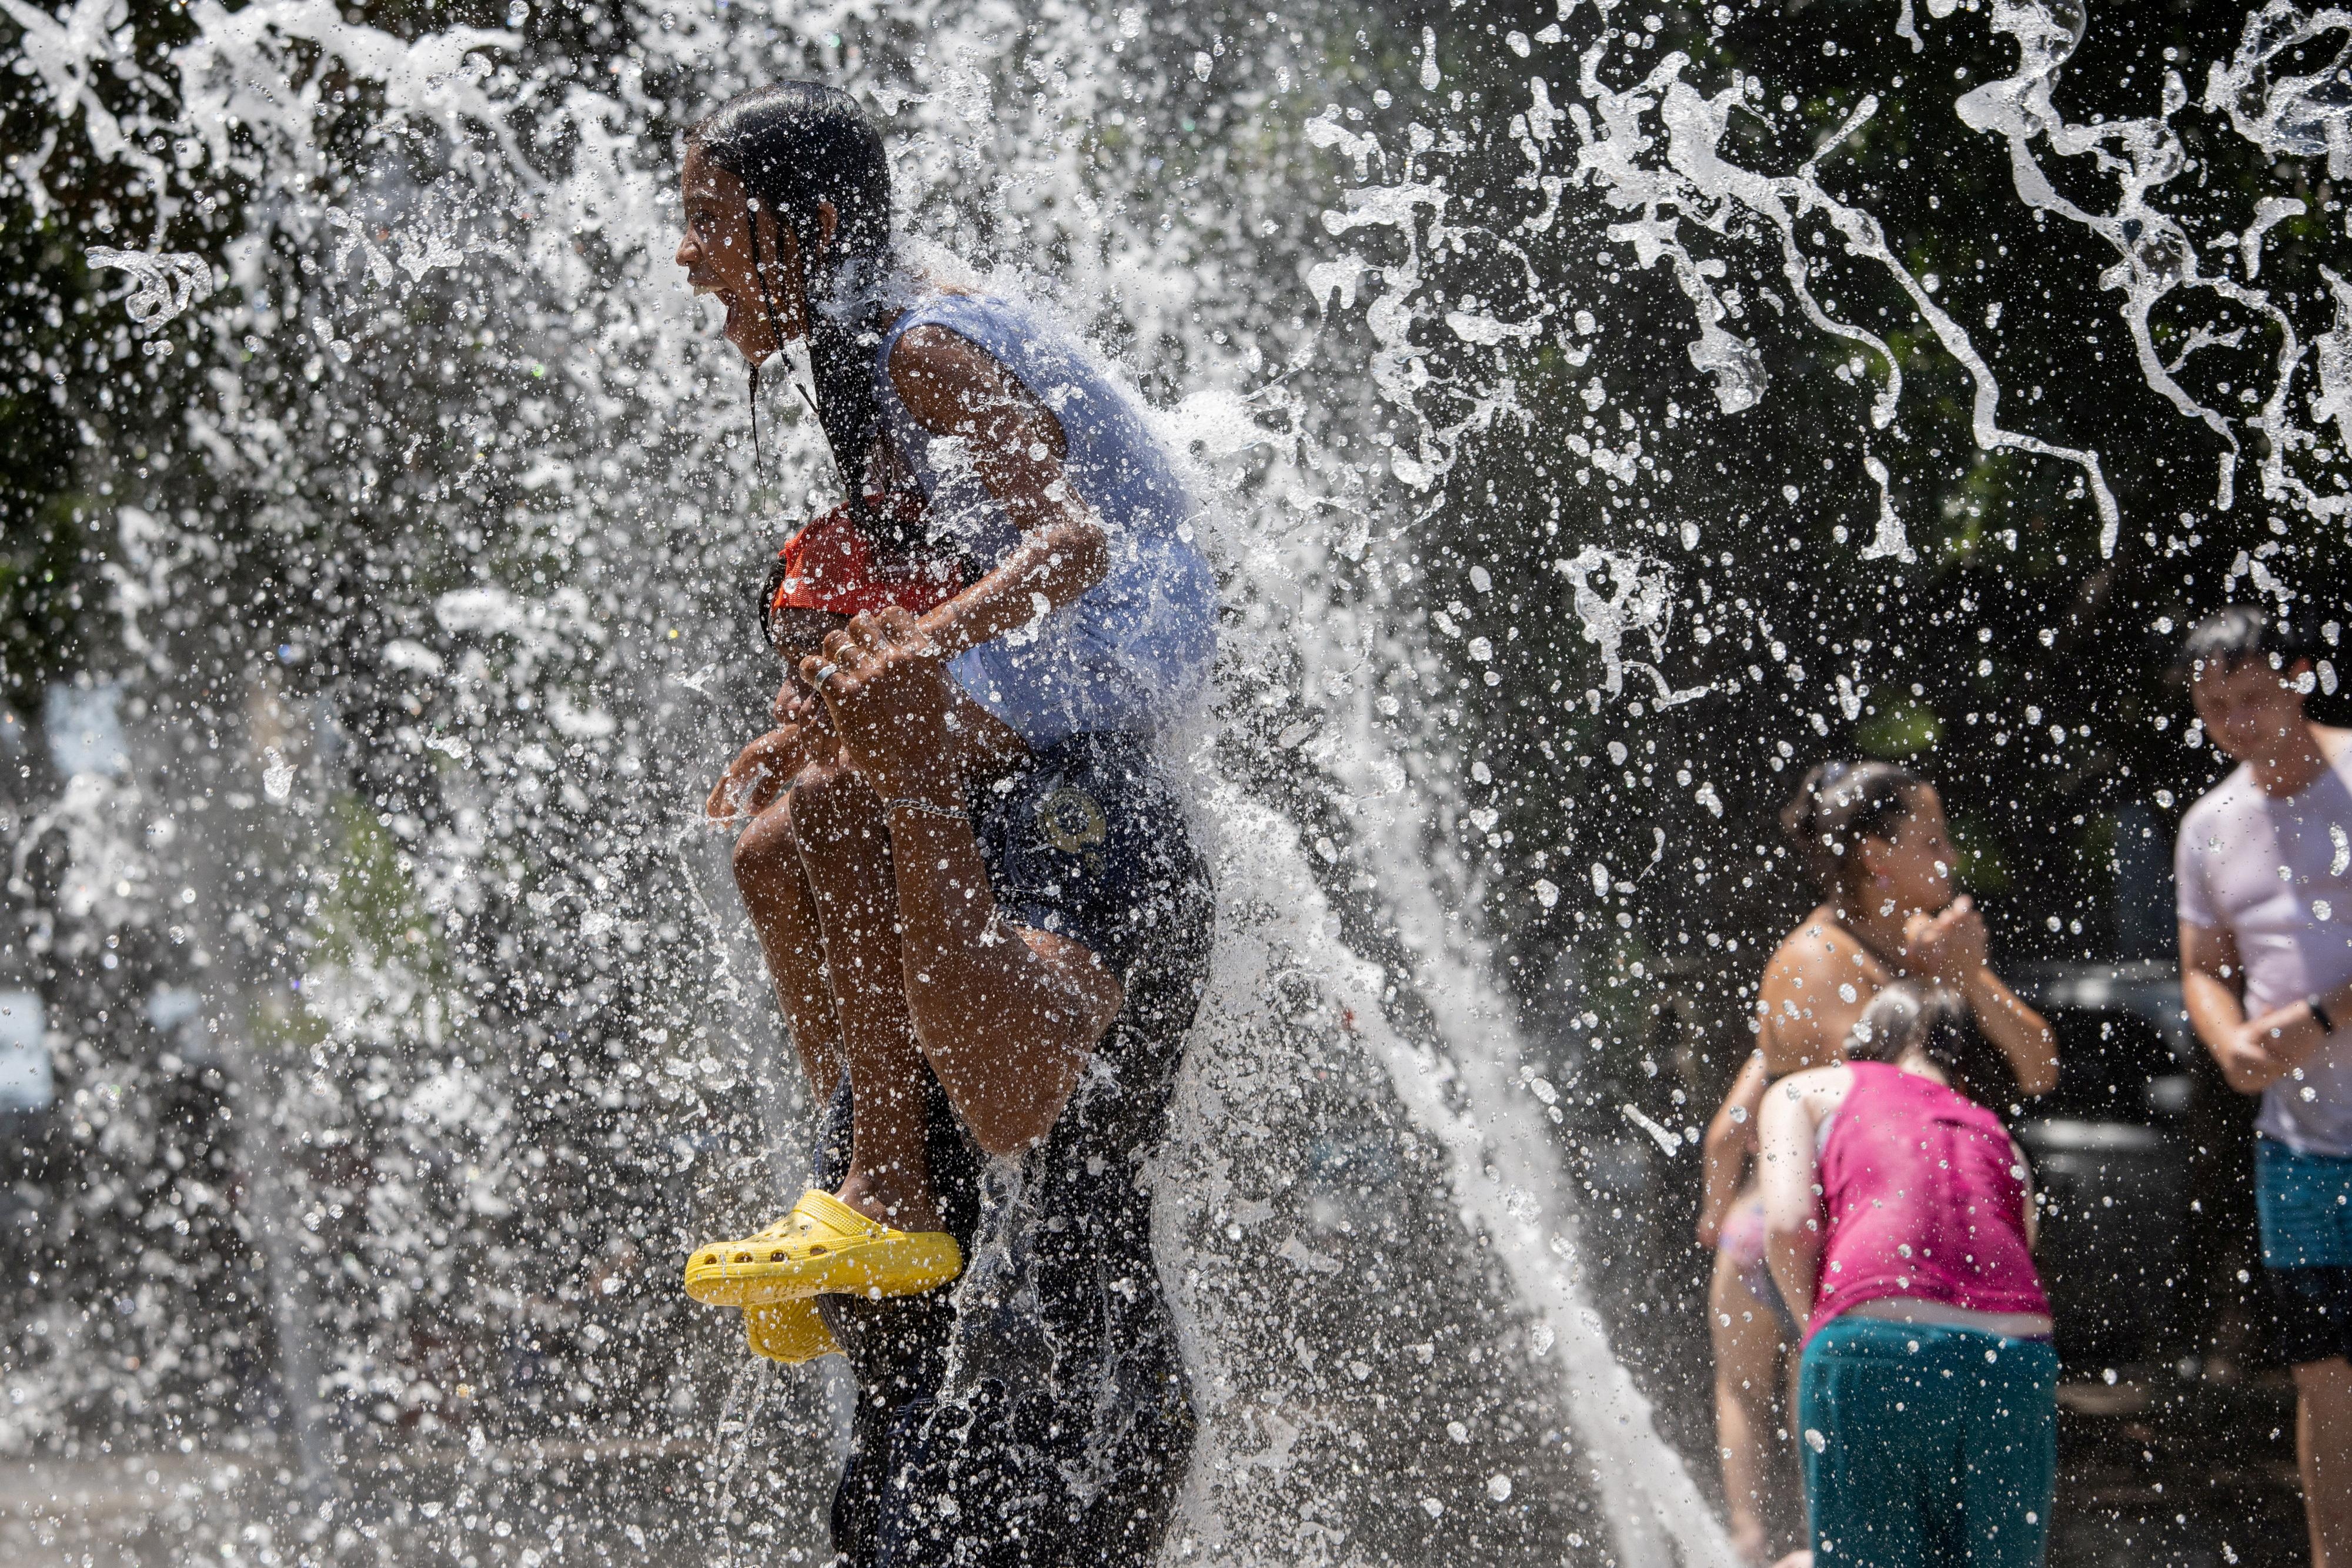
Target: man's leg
(844,847)
(776,893)
(2323,1441)
(2312,1319)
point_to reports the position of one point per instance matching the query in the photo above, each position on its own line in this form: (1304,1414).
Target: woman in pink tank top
(1900,1227)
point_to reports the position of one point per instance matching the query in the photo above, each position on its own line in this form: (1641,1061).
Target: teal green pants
(1927,1447)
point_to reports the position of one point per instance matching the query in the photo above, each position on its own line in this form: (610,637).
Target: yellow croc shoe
(715,1271)
(789,1332)
(822,1247)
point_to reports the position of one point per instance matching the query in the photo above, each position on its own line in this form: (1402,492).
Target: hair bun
(1839,804)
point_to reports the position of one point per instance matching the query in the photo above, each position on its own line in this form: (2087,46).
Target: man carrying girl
(986,925)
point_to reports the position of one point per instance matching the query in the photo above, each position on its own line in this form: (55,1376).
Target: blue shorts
(2305,1202)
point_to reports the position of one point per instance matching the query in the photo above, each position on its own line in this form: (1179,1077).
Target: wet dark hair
(1906,1016)
(1838,805)
(794,145)
(2238,635)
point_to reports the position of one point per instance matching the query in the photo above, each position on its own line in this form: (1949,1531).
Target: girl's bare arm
(1792,1206)
(952,387)
(1730,1139)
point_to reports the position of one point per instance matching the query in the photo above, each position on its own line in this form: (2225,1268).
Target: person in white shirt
(2265,877)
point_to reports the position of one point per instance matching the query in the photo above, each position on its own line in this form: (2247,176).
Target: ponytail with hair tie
(1840,804)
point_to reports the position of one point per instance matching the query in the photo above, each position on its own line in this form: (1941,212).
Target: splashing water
(1684,191)
(732,1440)
(1639,600)
(470,967)
(162,286)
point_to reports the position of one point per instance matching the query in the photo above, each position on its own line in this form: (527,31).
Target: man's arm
(2292,1035)
(2211,982)
(953,387)
(1006,1016)
(1792,1203)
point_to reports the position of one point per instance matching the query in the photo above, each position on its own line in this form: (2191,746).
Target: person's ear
(828,221)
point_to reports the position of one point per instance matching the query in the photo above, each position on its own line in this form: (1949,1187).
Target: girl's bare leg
(1748,1354)
(844,849)
(776,893)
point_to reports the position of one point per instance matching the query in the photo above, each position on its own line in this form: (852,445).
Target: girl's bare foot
(901,1205)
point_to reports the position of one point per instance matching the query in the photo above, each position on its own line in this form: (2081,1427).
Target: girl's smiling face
(1912,865)
(717,253)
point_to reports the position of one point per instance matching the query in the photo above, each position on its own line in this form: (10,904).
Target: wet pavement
(2182,1477)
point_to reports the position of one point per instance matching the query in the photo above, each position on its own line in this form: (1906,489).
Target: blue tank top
(1132,652)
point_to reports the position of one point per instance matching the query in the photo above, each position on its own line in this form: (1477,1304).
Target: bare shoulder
(1819,946)
(1819,1088)
(1802,1099)
(943,377)
(1796,959)
(1813,981)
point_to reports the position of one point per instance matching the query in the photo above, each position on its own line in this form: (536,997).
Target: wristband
(2319,1014)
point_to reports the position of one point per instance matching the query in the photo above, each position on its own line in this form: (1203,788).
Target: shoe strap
(826,1209)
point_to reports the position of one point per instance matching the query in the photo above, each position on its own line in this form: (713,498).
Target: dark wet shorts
(2306,1203)
(996,1477)
(984,1476)
(2311,1312)
(1036,1414)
